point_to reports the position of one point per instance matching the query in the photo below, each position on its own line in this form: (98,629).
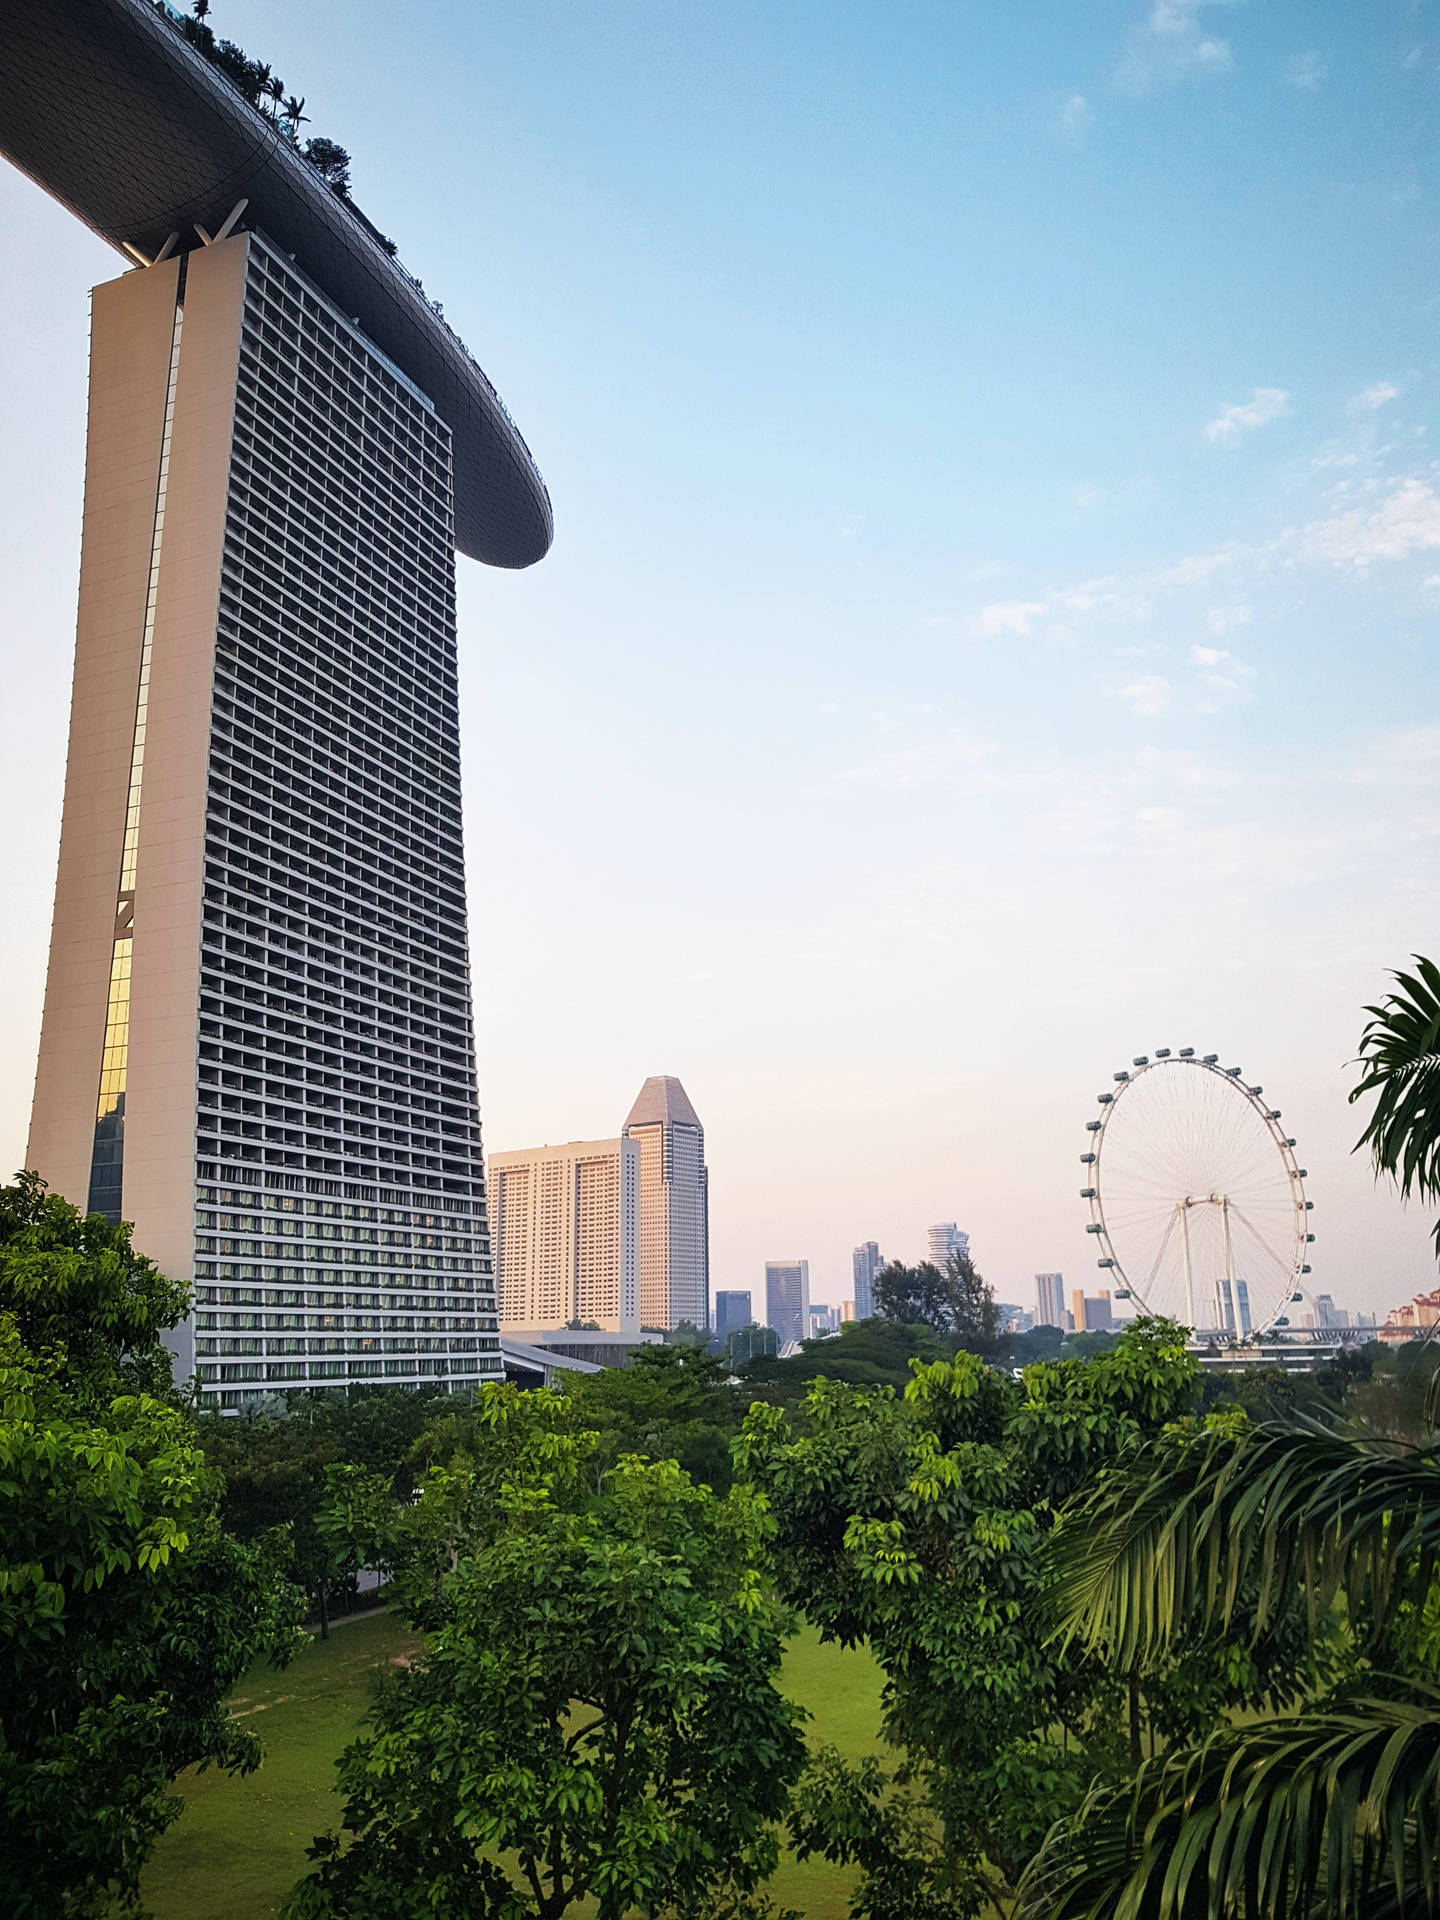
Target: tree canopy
(595,1715)
(127,1612)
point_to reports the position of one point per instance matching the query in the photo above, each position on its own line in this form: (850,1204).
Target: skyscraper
(674,1205)
(1050,1300)
(732,1311)
(565,1227)
(943,1240)
(865,1263)
(257,1037)
(787,1299)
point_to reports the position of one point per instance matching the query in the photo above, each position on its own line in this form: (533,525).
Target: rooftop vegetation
(257,81)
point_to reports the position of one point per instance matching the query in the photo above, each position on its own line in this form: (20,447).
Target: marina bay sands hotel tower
(257,1040)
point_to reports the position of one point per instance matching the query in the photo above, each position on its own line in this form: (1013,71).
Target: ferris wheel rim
(1300,1208)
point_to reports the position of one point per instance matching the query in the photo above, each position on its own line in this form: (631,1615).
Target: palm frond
(1149,1553)
(1335,1813)
(1400,1052)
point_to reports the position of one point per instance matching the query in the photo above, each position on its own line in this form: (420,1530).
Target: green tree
(954,1302)
(595,1716)
(865,1353)
(275,1467)
(1334,1809)
(670,1403)
(127,1612)
(919,1524)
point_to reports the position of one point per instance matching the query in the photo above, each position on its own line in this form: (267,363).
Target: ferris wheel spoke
(1193,1185)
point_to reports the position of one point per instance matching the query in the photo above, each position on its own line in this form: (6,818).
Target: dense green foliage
(275,1464)
(920,1524)
(864,1353)
(127,1612)
(670,1403)
(596,1702)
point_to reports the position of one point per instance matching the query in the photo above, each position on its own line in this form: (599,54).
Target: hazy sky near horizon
(991,626)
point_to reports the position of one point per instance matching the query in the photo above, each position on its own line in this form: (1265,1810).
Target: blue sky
(990,630)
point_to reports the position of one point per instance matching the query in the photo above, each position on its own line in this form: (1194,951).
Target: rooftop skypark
(157,136)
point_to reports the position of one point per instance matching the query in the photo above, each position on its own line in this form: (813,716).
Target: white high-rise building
(945,1239)
(674,1257)
(565,1223)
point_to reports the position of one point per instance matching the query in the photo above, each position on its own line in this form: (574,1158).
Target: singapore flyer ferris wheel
(1197,1201)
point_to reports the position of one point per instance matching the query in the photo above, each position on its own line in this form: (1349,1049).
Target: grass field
(240,1844)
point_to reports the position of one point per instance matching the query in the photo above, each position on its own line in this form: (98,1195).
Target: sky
(990,631)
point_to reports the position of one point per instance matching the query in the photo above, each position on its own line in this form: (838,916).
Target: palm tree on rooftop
(294,116)
(1333,1811)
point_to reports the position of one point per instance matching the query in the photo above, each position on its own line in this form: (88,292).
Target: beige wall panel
(160,1102)
(131,321)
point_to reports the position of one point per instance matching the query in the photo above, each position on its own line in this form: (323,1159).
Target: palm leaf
(1150,1553)
(1335,1814)
(1400,1051)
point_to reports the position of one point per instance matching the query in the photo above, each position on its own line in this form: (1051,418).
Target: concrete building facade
(1050,1300)
(257,1040)
(674,1243)
(787,1299)
(865,1263)
(565,1223)
(732,1311)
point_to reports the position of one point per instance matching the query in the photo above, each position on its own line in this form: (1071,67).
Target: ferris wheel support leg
(1184,1212)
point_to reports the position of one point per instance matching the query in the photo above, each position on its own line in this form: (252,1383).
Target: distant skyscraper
(565,1227)
(945,1239)
(1091,1315)
(1235,1307)
(823,1319)
(674,1205)
(732,1310)
(787,1299)
(866,1263)
(1050,1299)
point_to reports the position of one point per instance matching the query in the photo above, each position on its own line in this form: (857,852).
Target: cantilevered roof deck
(107,107)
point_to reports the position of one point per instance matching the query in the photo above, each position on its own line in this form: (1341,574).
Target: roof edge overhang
(109,109)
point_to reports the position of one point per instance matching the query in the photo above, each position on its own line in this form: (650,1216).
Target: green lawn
(239,1846)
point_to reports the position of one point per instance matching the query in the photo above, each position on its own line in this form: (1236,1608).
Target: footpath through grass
(239,1847)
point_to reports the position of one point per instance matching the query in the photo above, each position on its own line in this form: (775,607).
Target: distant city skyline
(948,680)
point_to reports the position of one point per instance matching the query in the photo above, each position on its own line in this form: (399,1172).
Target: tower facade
(565,1222)
(257,1038)
(1050,1300)
(674,1205)
(865,1263)
(787,1299)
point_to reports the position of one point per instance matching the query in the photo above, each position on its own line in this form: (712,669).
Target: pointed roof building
(662,1099)
(674,1249)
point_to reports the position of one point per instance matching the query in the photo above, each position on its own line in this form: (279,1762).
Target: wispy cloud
(1243,416)
(1371,399)
(1007,616)
(1075,118)
(1149,695)
(1172,45)
(1407,522)
(1307,71)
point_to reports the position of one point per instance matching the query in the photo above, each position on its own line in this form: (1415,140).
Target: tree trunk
(324,1607)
